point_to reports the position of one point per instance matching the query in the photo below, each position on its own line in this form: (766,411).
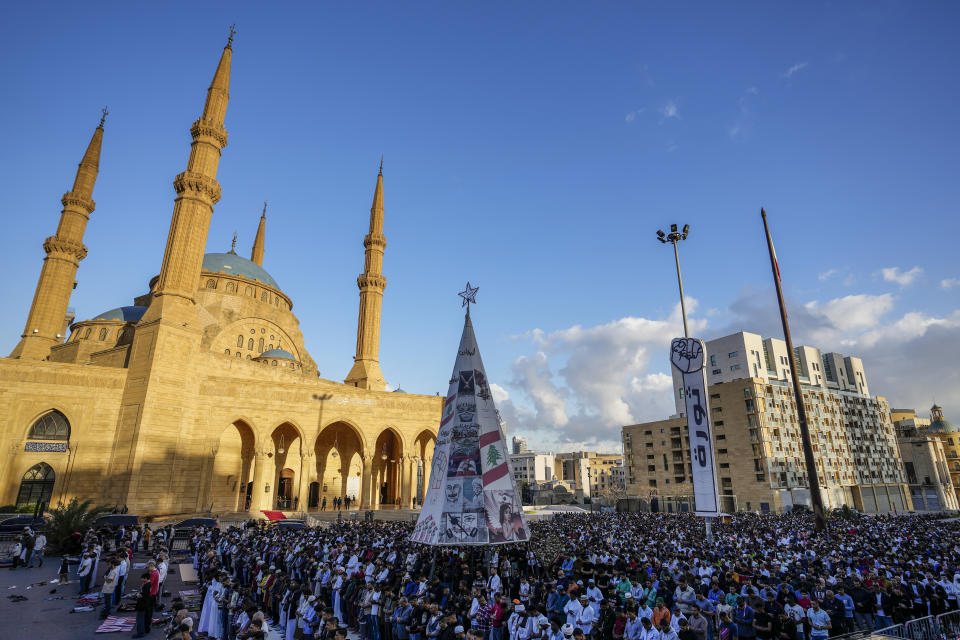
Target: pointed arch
(50,424)
(352,426)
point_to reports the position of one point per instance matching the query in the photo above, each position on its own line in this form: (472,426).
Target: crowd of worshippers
(582,577)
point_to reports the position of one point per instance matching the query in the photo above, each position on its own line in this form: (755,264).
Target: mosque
(200,395)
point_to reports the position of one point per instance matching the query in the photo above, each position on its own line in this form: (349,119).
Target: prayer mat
(116,623)
(187,573)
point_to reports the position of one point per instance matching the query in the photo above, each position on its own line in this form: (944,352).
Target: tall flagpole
(812,479)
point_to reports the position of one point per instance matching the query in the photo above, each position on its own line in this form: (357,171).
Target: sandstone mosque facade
(200,396)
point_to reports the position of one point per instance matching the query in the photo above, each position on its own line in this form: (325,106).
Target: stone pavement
(38,617)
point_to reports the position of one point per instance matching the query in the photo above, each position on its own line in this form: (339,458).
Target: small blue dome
(234,264)
(127,314)
(277,353)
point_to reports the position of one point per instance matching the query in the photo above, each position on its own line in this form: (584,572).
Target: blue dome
(127,314)
(234,264)
(277,353)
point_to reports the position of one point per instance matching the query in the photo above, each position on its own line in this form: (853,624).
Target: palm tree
(65,520)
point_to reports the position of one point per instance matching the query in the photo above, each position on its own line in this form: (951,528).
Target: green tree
(64,520)
(493,456)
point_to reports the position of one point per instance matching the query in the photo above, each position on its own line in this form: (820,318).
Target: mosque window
(211,284)
(277,302)
(263,330)
(103,334)
(238,354)
(291,366)
(250,344)
(263,296)
(270,346)
(240,341)
(271,337)
(226,351)
(50,426)
(274,363)
(261,345)
(253,330)
(248,357)
(119,332)
(86,334)
(231,287)
(249,291)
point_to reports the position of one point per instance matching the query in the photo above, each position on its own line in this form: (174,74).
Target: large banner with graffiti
(471,497)
(687,356)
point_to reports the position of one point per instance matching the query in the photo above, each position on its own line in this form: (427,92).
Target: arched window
(119,332)
(250,344)
(277,302)
(86,334)
(274,363)
(231,287)
(52,425)
(239,354)
(249,291)
(261,345)
(240,342)
(226,351)
(249,357)
(211,284)
(270,346)
(264,296)
(36,485)
(103,334)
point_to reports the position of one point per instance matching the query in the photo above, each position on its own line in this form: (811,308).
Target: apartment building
(589,471)
(759,459)
(532,467)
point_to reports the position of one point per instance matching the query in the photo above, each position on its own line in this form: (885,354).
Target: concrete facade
(760,465)
(201,396)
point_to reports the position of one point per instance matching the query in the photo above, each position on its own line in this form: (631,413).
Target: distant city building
(587,471)
(531,467)
(925,466)
(759,457)
(520,444)
(925,462)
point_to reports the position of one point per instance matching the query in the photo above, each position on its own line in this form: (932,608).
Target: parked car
(16,524)
(117,520)
(190,523)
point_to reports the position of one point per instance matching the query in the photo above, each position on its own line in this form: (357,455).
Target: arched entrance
(423,445)
(232,473)
(288,462)
(313,502)
(388,467)
(36,485)
(338,463)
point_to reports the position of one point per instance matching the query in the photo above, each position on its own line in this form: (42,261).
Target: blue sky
(534,150)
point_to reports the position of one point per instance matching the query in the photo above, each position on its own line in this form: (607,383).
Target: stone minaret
(197,191)
(366,372)
(256,255)
(64,250)
(159,401)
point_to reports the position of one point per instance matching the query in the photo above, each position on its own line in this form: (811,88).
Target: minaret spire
(366,371)
(197,191)
(65,250)
(256,255)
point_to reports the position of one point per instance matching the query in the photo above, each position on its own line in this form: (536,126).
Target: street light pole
(673,238)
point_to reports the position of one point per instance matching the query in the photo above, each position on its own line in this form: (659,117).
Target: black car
(290,524)
(190,523)
(16,524)
(117,520)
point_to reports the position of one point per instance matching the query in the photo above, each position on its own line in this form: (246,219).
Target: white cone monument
(471,498)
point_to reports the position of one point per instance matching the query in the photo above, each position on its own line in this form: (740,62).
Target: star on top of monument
(469,295)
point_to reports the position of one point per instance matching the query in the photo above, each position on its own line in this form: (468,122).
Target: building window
(86,334)
(231,286)
(250,344)
(733,354)
(211,284)
(713,360)
(249,291)
(717,371)
(50,426)
(226,351)
(240,342)
(261,345)
(239,354)
(263,296)
(103,334)
(36,485)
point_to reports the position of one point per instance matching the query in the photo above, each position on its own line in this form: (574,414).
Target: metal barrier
(949,624)
(922,629)
(7,540)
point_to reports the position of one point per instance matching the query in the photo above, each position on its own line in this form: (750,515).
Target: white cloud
(792,70)
(500,395)
(855,312)
(633,115)
(734,131)
(670,110)
(753,91)
(826,275)
(949,283)
(903,278)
